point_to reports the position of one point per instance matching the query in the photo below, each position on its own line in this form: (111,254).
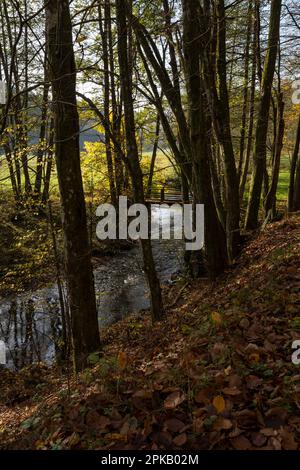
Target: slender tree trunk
(153,158)
(42,138)
(297,188)
(115,105)
(270,200)
(295,158)
(48,163)
(81,292)
(108,148)
(224,131)
(11,172)
(251,114)
(215,240)
(245,91)
(132,152)
(259,158)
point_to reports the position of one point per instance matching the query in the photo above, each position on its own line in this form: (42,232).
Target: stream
(30,322)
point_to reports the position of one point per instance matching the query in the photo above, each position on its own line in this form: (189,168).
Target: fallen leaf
(258,439)
(174,425)
(222,424)
(174,400)
(146,394)
(253,382)
(180,440)
(241,443)
(116,437)
(216,318)
(288,440)
(275,443)
(254,358)
(122,360)
(232,391)
(219,403)
(276,417)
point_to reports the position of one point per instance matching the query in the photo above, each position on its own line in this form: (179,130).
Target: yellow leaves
(72,440)
(81,38)
(122,360)
(216,318)
(219,403)
(116,437)
(39,445)
(254,358)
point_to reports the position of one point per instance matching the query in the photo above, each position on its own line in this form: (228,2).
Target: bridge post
(162,194)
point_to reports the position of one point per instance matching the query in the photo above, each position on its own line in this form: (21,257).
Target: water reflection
(31,324)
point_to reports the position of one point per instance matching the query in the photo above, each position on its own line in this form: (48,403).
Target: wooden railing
(164,194)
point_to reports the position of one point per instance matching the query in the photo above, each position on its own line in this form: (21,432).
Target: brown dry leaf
(146,394)
(174,400)
(92,418)
(174,425)
(164,438)
(268,432)
(201,397)
(241,443)
(258,439)
(276,417)
(222,424)
(122,360)
(275,443)
(72,440)
(288,440)
(253,382)
(103,422)
(234,380)
(219,403)
(232,391)
(180,440)
(246,419)
(74,413)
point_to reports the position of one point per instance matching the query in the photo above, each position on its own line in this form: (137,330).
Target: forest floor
(217,373)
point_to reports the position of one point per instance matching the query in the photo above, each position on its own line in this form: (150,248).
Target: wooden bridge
(165,195)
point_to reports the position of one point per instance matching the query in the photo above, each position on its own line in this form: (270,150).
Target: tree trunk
(81,293)
(259,157)
(41,149)
(153,158)
(215,240)
(295,158)
(48,164)
(245,91)
(297,188)
(251,116)
(270,201)
(108,149)
(132,153)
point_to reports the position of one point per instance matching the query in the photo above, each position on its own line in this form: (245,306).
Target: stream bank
(30,321)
